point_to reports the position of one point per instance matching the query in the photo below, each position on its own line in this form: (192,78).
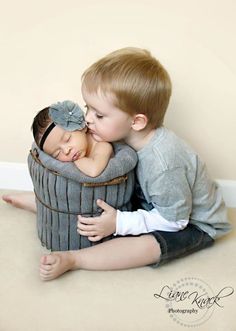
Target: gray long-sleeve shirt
(175,182)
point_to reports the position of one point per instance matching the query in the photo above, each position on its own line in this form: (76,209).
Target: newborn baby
(60,131)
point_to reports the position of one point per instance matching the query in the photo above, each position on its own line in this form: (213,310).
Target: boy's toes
(6,198)
(45,267)
(44,272)
(48,260)
(45,277)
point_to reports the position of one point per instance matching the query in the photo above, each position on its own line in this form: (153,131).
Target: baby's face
(66,146)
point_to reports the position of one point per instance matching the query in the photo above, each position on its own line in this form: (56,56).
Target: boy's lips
(93,132)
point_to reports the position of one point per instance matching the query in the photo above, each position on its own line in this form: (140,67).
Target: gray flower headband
(68,115)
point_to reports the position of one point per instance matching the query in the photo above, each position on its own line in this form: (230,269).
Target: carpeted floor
(112,300)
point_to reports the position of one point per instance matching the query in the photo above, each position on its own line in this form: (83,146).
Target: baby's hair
(40,124)
(137,80)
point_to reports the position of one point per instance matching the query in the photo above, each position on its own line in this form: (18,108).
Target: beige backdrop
(46,45)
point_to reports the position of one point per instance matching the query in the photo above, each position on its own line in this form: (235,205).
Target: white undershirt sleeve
(142,221)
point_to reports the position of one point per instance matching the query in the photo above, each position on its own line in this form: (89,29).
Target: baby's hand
(96,228)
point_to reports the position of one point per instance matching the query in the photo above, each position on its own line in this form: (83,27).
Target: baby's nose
(66,150)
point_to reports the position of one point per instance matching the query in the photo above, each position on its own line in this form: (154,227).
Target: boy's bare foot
(24,200)
(56,264)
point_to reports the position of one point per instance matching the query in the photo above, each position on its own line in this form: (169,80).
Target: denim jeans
(174,245)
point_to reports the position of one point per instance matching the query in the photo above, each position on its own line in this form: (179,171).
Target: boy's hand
(96,228)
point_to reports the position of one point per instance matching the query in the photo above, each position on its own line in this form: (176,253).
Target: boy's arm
(142,221)
(171,197)
(93,166)
(170,194)
(111,222)
(172,208)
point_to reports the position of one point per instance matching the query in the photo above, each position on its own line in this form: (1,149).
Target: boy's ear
(139,122)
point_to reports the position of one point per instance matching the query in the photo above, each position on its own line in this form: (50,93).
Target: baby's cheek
(63,159)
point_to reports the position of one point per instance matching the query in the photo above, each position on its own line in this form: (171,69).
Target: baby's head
(137,81)
(60,131)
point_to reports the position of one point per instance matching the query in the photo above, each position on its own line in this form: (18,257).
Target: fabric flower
(67,115)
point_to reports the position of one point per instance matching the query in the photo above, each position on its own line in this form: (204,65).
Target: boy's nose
(88,117)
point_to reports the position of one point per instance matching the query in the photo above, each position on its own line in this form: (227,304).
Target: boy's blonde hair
(139,83)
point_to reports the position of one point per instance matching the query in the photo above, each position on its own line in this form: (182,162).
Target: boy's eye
(99,116)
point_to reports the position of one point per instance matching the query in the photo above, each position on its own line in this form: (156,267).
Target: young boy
(60,131)
(181,209)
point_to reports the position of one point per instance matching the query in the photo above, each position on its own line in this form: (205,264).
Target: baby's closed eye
(56,155)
